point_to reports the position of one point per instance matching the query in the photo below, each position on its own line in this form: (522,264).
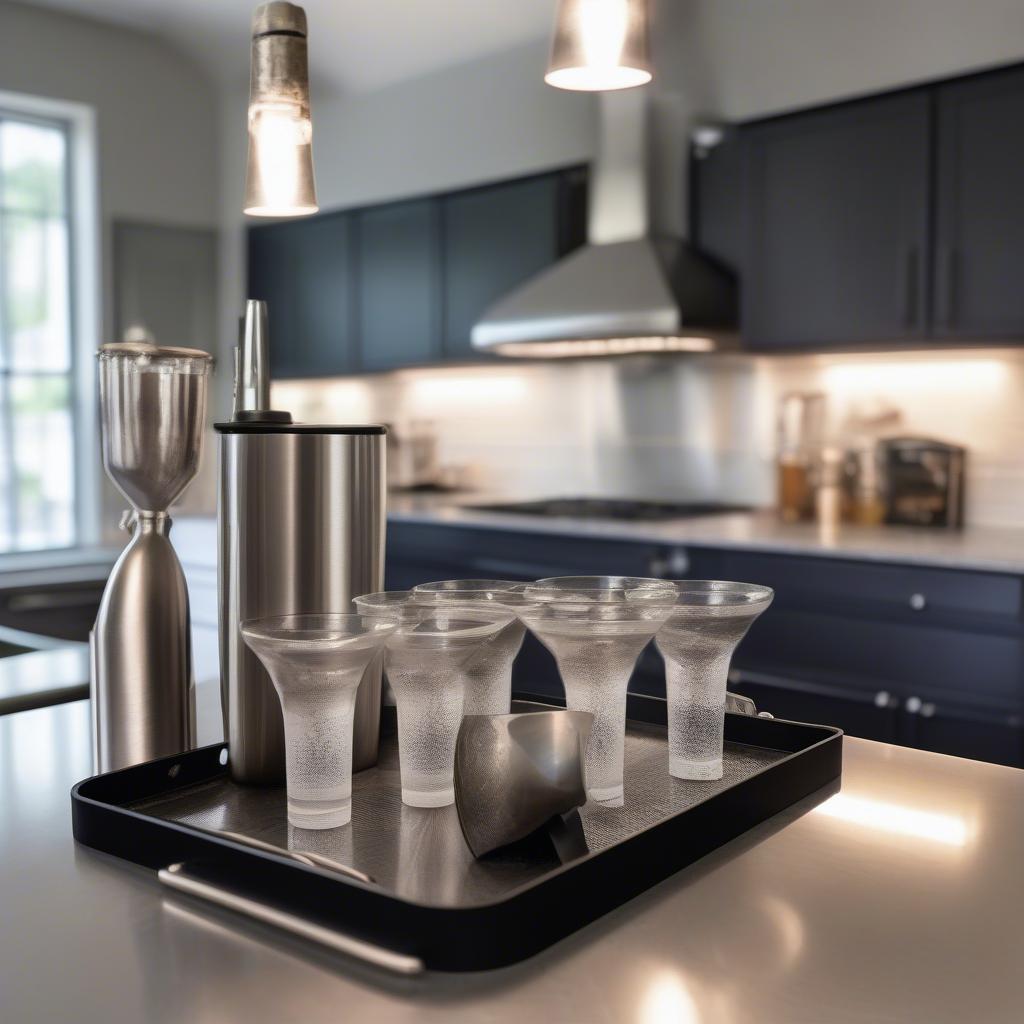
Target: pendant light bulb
(599,45)
(279,176)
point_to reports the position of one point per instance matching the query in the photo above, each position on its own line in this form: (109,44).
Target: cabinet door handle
(911,728)
(946,279)
(675,566)
(883,699)
(910,288)
(918,602)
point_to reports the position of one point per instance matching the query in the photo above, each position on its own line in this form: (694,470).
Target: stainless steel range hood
(626,290)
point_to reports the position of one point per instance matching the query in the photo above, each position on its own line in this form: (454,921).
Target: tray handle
(176,877)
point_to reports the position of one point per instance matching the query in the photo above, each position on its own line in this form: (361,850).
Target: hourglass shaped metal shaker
(153,409)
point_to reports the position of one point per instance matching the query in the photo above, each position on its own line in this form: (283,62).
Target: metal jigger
(516,773)
(153,410)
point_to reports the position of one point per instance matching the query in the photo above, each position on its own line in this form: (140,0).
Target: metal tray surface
(419,853)
(429,903)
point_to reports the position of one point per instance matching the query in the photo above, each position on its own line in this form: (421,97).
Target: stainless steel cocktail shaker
(153,408)
(301,524)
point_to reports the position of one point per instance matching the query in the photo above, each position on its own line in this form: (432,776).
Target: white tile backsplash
(692,427)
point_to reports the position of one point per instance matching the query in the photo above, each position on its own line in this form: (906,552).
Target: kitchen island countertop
(899,899)
(980,548)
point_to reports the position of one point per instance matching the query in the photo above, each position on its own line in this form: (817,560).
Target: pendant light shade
(599,45)
(279,175)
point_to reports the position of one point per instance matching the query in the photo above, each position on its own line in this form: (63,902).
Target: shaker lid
(146,348)
(277,427)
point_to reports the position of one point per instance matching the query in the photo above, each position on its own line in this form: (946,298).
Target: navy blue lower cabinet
(870,714)
(964,731)
(919,656)
(473,553)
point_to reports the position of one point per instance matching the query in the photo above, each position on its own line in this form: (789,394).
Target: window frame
(85,312)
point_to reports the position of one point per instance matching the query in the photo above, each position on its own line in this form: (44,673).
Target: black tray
(430,905)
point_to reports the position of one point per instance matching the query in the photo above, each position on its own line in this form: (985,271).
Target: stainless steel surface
(898,899)
(177,877)
(924,482)
(625,291)
(280,161)
(515,772)
(142,686)
(252,371)
(153,409)
(301,529)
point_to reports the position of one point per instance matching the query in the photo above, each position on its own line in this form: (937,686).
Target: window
(39,484)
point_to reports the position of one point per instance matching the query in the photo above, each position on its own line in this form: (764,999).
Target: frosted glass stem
(696,688)
(596,675)
(318,753)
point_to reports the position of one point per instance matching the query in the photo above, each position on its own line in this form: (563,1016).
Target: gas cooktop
(612,508)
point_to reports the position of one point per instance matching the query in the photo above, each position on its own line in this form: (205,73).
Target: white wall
(155,114)
(700,428)
(156,134)
(773,55)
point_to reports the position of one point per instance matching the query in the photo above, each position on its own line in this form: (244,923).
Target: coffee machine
(153,410)
(301,516)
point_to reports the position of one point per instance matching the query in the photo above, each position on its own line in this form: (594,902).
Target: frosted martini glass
(488,675)
(697,641)
(596,627)
(425,657)
(316,663)
(394,604)
(389,604)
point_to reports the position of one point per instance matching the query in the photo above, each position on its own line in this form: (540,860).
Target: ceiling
(355,45)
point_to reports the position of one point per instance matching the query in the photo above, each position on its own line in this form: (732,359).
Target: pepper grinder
(153,409)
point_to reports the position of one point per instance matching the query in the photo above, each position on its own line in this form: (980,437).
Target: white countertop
(899,900)
(995,549)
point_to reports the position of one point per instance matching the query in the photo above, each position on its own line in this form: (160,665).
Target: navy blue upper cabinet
(979,252)
(892,219)
(398,284)
(837,225)
(402,284)
(302,269)
(271,260)
(494,238)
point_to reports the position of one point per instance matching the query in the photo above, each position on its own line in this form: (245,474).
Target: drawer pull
(673,567)
(913,705)
(918,602)
(883,699)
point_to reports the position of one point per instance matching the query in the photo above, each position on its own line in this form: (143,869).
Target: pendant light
(599,45)
(279,175)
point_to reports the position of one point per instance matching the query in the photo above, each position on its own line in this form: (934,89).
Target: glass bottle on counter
(801,439)
(867,423)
